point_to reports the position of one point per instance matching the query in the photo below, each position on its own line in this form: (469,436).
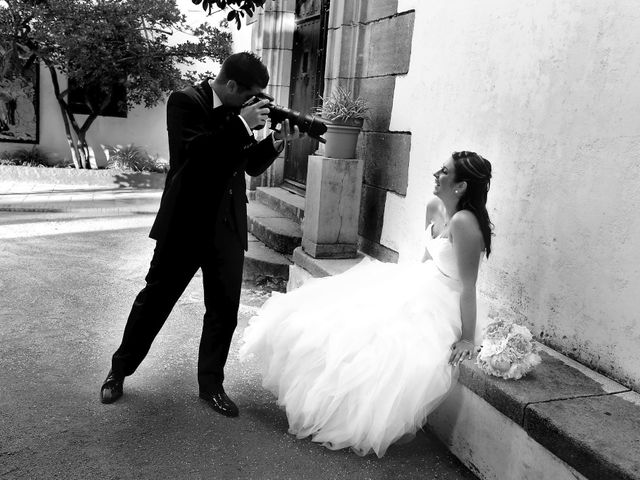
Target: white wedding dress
(360,359)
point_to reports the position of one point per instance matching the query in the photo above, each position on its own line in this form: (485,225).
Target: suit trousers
(173,265)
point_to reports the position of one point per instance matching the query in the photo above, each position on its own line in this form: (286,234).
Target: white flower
(493,347)
(497,329)
(519,329)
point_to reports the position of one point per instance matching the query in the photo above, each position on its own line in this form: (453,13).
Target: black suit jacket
(209,152)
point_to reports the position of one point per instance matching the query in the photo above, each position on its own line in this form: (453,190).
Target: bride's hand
(460,351)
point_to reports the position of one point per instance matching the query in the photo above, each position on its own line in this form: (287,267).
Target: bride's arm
(467,244)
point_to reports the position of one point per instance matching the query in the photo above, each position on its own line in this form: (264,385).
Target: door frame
(288,183)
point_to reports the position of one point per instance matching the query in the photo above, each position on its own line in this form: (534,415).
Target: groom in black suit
(202,222)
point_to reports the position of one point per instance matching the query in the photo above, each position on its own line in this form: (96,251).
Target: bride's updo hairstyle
(476,171)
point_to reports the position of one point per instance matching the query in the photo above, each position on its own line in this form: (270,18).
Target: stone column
(272,40)
(332,206)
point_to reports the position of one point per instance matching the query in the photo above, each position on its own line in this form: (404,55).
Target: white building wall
(547,90)
(143,127)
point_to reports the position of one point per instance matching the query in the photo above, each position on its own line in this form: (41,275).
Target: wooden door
(307,82)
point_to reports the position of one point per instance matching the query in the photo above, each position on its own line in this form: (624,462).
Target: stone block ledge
(562,421)
(586,420)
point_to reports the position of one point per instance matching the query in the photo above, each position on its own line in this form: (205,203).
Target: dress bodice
(442,253)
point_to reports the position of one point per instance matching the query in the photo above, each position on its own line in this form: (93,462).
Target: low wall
(72,176)
(563,421)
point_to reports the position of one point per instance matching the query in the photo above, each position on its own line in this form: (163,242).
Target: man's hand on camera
(286,133)
(256,114)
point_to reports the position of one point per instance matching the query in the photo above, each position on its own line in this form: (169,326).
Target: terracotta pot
(341,140)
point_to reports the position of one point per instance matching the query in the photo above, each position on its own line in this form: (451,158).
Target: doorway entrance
(307,83)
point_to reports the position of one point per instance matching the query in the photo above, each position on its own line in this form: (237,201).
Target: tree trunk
(80,152)
(82,147)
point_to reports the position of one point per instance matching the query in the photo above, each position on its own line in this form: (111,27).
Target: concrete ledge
(319,267)
(306,267)
(72,176)
(330,250)
(490,444)
(598,436)
(561,422)
(555,379)
(574,418)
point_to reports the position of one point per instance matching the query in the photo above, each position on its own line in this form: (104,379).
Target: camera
(309,124)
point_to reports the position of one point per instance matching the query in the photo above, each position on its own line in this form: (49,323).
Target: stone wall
(368,47)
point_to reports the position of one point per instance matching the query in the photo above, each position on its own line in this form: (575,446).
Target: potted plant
(344,117)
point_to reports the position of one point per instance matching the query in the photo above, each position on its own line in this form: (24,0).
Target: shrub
(133,158)
(29,157)
(65,163)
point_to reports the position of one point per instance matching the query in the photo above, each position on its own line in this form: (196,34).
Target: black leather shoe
(221,403)
(111,388)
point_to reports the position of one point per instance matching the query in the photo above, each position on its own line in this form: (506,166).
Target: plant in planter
(344,117)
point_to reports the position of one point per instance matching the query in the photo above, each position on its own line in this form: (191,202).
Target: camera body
(309,124)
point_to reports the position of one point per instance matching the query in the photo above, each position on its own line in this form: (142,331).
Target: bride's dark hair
(476,171)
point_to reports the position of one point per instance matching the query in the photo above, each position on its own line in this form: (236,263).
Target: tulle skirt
(359,359)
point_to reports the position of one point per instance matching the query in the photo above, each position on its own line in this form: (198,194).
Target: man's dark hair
(246,69)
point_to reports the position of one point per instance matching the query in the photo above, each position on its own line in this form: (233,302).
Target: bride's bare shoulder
(465,226)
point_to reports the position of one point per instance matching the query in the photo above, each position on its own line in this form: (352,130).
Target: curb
(72,176)
(77,210)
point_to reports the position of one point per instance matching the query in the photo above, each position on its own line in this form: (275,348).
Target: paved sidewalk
(39,197)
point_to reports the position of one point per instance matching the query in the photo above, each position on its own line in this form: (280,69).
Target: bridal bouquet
(507,350)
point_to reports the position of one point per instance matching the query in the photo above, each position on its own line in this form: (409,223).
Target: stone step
(282,201)
(272,228)
(262,264)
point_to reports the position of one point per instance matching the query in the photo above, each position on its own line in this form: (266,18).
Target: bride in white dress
(360,359)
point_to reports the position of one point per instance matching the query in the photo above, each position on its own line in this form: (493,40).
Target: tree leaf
(248,8)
